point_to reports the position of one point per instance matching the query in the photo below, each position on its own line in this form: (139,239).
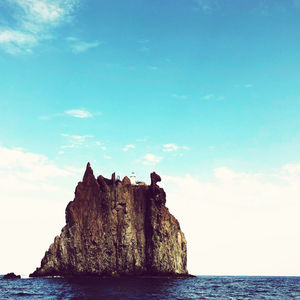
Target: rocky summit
(116,228)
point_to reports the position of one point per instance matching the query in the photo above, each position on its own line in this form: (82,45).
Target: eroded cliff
(116,228)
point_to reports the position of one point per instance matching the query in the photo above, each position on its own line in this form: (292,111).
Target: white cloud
(212,96)
(15,42)
(143,140)
(79,46)
(291,169)
(36,14)
(76,113)
(239,222)
(33,21)
(128,147)
(206,6)
(34,194)
(79,113)
(101,145)
(170,147)
(248,85)
(68,146)
(173,147)
(151,159)
(107,157)
(28,163)
(235,223)
(41,11)
(75,140)
(15,37)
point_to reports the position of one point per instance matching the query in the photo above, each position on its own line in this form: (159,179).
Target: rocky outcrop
(11,276)
(114,228)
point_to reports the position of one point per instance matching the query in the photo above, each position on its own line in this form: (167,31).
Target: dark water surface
(200,287)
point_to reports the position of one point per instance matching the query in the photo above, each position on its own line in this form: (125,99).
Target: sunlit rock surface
(114,228)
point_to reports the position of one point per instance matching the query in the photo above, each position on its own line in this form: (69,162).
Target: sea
(199,287)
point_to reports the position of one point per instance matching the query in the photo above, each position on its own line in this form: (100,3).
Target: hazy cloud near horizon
(224,219)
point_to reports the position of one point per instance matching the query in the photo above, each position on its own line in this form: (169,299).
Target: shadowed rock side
(11,276)
(114,228)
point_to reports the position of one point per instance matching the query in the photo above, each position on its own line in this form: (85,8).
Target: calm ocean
(200,287)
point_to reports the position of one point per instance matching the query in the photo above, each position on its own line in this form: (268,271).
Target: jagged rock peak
(116,228)
(88,176)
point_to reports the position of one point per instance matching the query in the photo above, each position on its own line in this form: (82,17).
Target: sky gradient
(204,92)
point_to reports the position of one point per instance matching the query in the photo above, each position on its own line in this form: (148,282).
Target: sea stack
(116,228)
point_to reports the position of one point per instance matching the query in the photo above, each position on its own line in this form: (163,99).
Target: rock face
(115,228)
(11,276)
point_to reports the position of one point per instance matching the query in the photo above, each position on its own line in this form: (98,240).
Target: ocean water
(200,287)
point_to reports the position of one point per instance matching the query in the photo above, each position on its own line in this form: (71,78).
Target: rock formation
(11,276)
(114,228)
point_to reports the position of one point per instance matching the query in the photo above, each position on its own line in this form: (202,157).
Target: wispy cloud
(144,41)
(15,42)
(151,159)
(107,157)
(39,12)
(33,21)
(75,140)
(183,97)
(79,113)
(76,113)
(79,46)
(144,49)
(142,140)
(101,145)
(206,6)
(170,147)
(208,97)
(128,147)
(248,85)
(67,146)
(173,147)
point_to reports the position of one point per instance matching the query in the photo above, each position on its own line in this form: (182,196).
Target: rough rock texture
(114,228)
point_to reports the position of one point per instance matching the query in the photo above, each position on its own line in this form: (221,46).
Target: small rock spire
(113,178)
(88,176)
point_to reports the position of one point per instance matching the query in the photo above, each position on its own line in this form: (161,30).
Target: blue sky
(218,77)
(177,86)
